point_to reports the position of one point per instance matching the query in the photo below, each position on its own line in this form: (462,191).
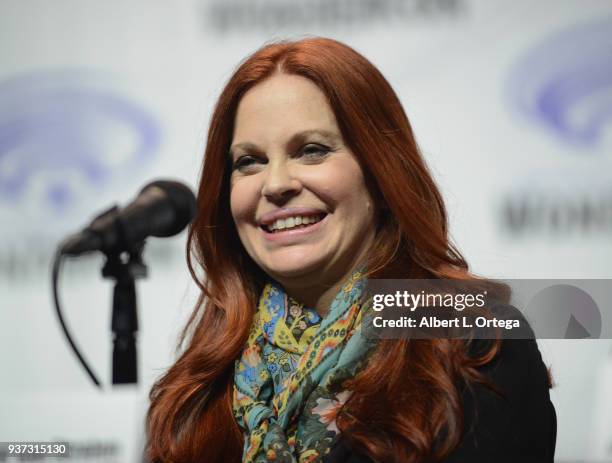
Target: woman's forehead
(280,107)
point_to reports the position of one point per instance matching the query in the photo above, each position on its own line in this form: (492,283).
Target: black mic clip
(120,264)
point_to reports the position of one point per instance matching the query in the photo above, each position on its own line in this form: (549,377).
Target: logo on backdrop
(69,140)
(568,202)
(242,16)
(63,136)
(563,85)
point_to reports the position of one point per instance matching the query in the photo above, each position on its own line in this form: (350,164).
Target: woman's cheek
(243,199)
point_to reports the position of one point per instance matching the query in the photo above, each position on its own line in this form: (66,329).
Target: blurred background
(511,103)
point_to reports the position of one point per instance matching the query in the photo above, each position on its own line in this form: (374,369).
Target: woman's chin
(299,269)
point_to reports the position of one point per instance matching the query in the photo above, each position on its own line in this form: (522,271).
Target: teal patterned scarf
(288,381)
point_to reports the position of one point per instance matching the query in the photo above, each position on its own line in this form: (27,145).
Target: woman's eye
(313,150)
(244,162)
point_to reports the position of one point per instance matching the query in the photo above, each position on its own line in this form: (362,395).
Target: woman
(312,182)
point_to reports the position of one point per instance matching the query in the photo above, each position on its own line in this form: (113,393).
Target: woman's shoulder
(516,422)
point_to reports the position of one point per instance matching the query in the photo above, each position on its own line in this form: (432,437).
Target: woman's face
(298,195)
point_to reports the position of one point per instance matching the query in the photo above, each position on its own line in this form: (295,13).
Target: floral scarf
(288,381)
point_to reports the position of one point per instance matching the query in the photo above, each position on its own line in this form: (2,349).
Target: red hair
(410,412)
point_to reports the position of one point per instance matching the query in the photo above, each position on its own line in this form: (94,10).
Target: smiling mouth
(292,223)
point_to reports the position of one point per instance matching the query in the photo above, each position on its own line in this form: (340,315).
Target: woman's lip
(294,234)
(270,217)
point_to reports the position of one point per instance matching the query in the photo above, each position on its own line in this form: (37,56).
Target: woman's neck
(312,292)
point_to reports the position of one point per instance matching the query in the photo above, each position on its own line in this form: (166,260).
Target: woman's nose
(280,183)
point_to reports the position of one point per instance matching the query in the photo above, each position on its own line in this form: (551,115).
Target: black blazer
(519,427)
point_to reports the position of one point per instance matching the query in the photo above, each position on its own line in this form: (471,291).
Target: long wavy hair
(405,404)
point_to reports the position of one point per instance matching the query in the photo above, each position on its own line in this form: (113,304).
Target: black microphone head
(182,202)
(162,208)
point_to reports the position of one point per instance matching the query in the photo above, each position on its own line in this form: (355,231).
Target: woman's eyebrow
(301,137)
(247,146)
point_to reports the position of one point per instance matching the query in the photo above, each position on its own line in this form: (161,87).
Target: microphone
(162,208)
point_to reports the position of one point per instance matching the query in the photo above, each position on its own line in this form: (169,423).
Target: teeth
(292,222)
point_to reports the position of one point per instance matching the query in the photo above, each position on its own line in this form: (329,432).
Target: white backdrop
(511,103)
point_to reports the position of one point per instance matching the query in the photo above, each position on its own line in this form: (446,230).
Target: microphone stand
(124,268)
